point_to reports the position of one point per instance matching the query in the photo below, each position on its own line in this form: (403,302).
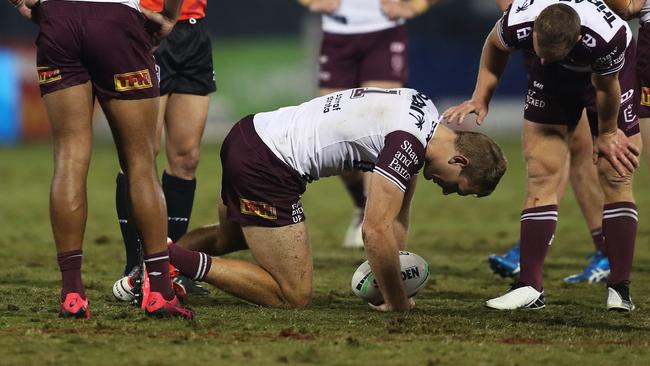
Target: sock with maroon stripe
(179,195)
(157,265)
(599,240)
(620,221)
(195,265)
(70,266)
(537,232)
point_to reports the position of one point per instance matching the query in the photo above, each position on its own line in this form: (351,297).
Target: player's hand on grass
(458,113)
(619,151)
(159,25)
(387,307)
(322,6)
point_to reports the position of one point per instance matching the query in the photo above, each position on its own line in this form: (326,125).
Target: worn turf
(449,327)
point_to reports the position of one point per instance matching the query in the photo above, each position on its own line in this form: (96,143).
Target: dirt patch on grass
(519,340)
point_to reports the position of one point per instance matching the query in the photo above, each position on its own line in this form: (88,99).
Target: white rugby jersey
(605,36)
(381,130)
(645,12)
(358,16)
(135,4)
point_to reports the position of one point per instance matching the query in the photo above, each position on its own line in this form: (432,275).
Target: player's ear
(460,160)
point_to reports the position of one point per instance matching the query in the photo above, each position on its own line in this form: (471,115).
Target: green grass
(449,327)
(260,74)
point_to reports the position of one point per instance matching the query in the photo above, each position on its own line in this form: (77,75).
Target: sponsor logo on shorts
(255,208)
(48,74)
(629,114)
(645,96)
(297,212)
(531,100)
(133,81)
(397,47)
(627,96)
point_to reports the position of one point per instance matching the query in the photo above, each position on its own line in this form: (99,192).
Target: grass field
(449,327)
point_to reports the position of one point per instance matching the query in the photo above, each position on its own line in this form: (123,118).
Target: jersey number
(361,92)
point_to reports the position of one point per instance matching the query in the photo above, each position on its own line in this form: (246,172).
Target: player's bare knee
(297,297)
(184,164)
(611,181)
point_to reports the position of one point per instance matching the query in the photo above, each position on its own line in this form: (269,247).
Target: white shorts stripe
(394,180)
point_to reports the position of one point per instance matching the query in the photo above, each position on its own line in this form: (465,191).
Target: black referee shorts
(184,59)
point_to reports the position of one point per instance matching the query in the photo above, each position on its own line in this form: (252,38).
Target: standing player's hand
(398,9)
(618,150)
(324,6)
(458,113)
(386,307)
(159,25)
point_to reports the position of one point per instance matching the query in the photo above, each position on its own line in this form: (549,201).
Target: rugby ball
(415,274)
(123,289)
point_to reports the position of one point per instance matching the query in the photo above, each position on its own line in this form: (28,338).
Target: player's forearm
(172,8)
(382,253)
(608,100)
(493,63)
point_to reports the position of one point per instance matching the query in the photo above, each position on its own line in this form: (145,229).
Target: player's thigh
(185,118)
(133,124)
(284,252)
(581,143)
(385,58)
(545,150)
(325,91)
(160,123)
(339,67)
(230,233)
(70,113)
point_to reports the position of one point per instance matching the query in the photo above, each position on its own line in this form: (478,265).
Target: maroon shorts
(557,96)
(643,69)
(349,60)
(258,188)
(105,43)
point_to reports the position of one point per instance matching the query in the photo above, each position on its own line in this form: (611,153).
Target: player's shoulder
(421,117)
(525,11)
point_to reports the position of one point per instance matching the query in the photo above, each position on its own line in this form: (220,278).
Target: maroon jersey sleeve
(400,159)
(610,57)
(518,36)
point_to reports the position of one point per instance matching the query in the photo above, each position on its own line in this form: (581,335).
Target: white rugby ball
(415,274)
(123,289)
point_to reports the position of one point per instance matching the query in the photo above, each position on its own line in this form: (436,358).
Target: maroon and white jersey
(381,130)
(645,12)
(358,16)
(605,36)
(135,4)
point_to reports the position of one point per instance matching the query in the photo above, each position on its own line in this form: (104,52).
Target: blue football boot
(506,265)
(597,270)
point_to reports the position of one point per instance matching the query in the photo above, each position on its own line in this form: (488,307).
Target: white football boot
(519,296)
(353,238)
(618,298)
